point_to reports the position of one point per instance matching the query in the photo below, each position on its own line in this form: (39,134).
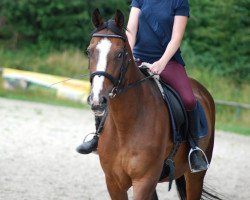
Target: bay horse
(136,136)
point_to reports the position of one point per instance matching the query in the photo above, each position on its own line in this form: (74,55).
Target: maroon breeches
(175,75)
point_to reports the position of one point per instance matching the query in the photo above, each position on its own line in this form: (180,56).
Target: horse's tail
(181,187)
(207,193)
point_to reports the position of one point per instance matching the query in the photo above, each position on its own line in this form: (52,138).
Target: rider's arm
(132,26)
(179,27)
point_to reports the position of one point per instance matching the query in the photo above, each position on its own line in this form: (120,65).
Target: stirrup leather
(192,150)
(88,138)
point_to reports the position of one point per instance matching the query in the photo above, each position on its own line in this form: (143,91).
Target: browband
(111,25)
(108,35)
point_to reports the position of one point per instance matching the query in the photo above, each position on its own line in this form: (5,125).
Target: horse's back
(203,95)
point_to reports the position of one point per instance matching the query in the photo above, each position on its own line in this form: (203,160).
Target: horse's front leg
(115,192)
(144,189)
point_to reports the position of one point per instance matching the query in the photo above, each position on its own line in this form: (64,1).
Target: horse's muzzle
(98,107)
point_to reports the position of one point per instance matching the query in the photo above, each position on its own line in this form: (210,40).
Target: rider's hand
(157,67)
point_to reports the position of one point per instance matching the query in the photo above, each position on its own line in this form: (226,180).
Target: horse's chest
(124,165)
(116,169)
(114,163)
(123,162)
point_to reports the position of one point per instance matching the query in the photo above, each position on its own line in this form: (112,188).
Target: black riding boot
(89,146)
(197,158)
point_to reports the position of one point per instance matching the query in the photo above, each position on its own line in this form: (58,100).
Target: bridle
(117,82)
(125,62)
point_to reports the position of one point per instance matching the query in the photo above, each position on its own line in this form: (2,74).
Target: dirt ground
(38,159)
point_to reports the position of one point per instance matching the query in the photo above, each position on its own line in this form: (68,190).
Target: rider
(155,31)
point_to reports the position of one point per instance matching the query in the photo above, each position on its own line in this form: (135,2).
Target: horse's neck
(128,106)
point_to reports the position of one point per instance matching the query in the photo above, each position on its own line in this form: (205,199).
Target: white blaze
(103,48)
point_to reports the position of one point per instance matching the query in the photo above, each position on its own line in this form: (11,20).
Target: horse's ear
(96,18)
(119,19)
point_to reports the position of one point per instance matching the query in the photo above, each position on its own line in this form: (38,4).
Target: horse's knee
(115,191)
(144,190)
(145,196)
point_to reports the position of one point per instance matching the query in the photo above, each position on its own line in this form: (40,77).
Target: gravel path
(38,159)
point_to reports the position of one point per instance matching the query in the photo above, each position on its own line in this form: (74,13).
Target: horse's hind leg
(194,185)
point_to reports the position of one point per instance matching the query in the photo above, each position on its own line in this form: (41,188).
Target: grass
(220,87)
(72,62)
(227,118)
(234,128)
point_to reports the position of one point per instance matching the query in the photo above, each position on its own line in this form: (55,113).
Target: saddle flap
(175,106)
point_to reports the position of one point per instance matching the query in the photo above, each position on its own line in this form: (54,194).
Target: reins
(68,79)
(129,86)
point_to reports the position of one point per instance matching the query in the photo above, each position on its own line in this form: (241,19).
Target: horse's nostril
(89,99)
(103,101)
(95,107)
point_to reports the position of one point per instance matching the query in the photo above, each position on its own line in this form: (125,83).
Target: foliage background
(217,36)
(57,23)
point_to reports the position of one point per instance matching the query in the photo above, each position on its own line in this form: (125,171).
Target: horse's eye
(120,55)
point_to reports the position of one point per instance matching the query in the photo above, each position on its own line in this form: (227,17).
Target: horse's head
(108,60)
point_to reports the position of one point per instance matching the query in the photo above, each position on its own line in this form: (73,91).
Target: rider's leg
(91,145)
(175,75)
(197,160)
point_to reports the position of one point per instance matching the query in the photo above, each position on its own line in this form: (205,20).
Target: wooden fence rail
(233,104)
(238,106)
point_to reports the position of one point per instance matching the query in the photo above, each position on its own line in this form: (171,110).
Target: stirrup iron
(203,155)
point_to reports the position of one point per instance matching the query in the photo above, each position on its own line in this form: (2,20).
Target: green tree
(55,23)
(219,35)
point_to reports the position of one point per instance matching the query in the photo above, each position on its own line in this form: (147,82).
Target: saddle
(178,115)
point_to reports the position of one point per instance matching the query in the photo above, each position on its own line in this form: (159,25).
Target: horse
(136,135)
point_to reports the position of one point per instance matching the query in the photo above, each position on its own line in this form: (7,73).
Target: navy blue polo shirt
(155,27)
